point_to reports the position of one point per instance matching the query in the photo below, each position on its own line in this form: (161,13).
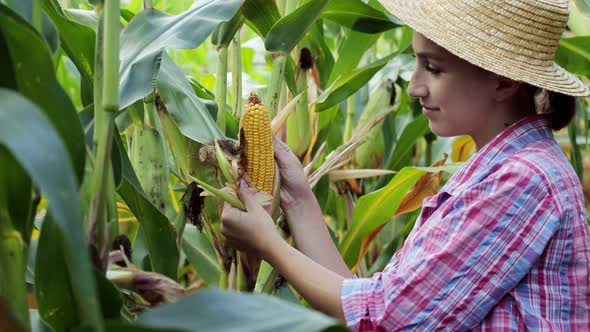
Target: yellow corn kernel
(256,142)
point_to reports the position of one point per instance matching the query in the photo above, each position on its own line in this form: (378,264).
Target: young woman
(504,245)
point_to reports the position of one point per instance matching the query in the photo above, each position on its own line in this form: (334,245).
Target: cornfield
(125,127)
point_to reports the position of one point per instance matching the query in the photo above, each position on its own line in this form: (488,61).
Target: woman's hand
(251,231)
(303,213)
(295,189)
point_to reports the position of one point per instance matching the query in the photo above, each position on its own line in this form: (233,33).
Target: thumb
(247,197)
(283,155)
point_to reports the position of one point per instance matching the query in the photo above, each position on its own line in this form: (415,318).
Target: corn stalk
(105,113)
(236,71)
(221,86)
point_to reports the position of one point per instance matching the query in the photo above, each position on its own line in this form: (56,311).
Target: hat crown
(531,28)
(513,38)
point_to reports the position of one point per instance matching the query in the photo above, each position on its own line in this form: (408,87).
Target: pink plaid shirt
(503,246)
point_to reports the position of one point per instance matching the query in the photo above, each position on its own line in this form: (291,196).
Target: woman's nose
(417,89)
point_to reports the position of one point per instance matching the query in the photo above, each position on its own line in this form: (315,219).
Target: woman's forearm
(311,236)
(319,285)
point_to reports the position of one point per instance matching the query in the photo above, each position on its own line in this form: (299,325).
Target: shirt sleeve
(459,265)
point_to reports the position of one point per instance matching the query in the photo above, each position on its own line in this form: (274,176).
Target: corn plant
(126,127)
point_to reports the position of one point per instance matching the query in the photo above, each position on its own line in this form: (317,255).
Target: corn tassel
(256,145)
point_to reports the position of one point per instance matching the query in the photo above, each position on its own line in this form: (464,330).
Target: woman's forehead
(424,47)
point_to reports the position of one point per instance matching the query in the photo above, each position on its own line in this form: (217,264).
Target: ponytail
(559,108)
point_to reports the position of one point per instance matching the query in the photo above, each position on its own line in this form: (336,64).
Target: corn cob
(371,153)
(257,154)
(299,124)
(149,161)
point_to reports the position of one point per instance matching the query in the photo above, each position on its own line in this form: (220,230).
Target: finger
(283,154)
(247,196)
(230,216)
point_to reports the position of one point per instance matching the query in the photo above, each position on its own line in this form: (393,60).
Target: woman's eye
(431,69)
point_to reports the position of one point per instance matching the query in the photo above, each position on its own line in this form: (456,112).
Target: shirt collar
(530,129)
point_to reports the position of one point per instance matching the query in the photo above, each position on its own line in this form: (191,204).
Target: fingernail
(243,184)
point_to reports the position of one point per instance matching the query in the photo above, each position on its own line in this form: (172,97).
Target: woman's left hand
(252,230)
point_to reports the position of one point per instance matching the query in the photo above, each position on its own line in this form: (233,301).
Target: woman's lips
(426,109)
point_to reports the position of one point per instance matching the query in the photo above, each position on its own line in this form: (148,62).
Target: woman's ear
(506,88)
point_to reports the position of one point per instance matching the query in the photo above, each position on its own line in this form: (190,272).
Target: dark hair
(560,108)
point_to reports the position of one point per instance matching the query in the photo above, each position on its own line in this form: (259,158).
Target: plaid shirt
(503,246)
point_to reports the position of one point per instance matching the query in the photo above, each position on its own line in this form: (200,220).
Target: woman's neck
(502,116)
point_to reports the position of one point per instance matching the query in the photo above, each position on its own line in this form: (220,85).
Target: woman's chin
(439,130)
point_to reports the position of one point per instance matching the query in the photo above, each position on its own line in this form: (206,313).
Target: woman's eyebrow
(429,55)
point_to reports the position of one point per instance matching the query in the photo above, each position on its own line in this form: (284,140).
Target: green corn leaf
(289,30)
(358,16)
(150,31)
(201,254)
(349,83)
(25,9)
(354,45)
(158,231)
(35,144)
(225,31)
(31,60)
(375,209)
(188,110)
(402,153)
(573,54)
(258,313)
(260,15)
(583,6)
(76,39)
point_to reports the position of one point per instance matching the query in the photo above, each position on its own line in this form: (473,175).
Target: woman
(504,245)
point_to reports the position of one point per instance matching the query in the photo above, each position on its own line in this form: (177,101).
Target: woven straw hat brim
(455,32)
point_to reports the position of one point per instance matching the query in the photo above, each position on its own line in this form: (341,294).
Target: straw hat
(513,38)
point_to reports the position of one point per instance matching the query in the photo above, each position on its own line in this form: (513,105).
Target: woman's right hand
(295,189)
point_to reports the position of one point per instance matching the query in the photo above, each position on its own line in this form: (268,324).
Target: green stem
(111,56)
(37,17)
(349,117)
(179,224)
(12,267)
(112,213)
(105,117)
(232,200)
(96,220)
(242,282)
(236,71)
(428,154)
(98,72)
(221,87)
(576,156)
(276,83)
